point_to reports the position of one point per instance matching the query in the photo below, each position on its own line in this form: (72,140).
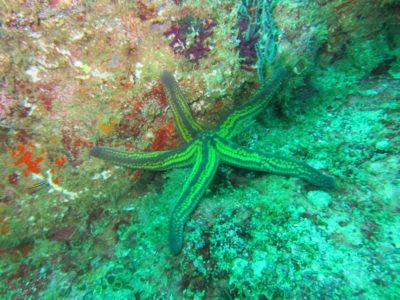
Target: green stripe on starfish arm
(236,120)
(156,161)
(235,155)
(187,127)
(199,179)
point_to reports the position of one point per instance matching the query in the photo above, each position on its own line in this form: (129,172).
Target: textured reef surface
(80,74)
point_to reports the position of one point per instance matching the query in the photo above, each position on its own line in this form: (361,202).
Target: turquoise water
(80,74)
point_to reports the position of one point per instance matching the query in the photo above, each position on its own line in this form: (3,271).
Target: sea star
(205,150)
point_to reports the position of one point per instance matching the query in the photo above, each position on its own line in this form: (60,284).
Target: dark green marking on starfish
(205,150)
(237,156)
(199,179)
(187,127)
(154,161)
(234,122)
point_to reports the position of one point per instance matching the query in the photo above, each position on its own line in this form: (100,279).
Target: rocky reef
(75,74)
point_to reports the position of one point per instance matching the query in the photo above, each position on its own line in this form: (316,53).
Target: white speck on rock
(33,72)
(320,199)
(382,145)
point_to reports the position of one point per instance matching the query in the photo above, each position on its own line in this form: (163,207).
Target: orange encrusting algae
(26,157)
(164,138)
(105,128)
(60,161)
(108,127)
(4,229)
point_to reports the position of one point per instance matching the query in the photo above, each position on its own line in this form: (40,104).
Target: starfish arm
(201,176)
(187,127)
(235,121)
(155,161)
(235,155)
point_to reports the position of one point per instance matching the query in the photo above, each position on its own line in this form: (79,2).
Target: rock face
(77,74)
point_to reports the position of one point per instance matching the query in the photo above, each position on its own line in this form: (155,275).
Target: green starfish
(205,150)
